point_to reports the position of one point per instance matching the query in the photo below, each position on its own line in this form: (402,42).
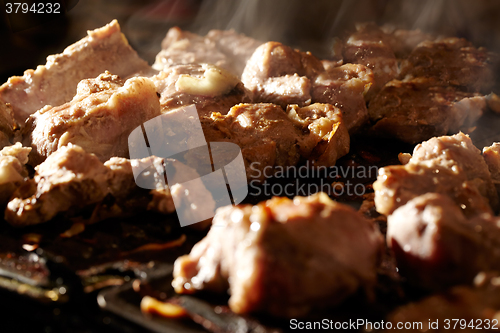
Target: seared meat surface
(210,88)
(226,49)
(12,170)
(449,165)
(418,109)
(71,180)
(283,257)
(99,118)
(270,137)
(435,245)
(491,156)
(452,61)
(56,82)
(7,125)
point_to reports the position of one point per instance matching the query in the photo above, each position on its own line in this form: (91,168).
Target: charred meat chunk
(419,109)
(283,257)
(453,61)
(226,49)
(449,165)
(99,118)
(72,180)
(436,246)
(56,82)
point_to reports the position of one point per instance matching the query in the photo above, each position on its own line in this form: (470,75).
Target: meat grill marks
(449,165)
(226,49)
(267,253)
(99,118)
(55,83)
(436,245)
(270,137)
(72,180)
(278,74)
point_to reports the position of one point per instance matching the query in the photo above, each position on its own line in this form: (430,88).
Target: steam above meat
(55,83)
(99,118)
(283,257)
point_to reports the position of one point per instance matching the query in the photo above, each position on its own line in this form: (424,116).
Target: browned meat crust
(70,180)
(12,170)
(283,257)
(55,83)
(418,109)
(270,137)
(449,165)
(99,118)
(7,125)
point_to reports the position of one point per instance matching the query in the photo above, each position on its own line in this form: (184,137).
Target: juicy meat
(478,304)
(12,170)
(345,87)
(279,74)
(72,180)
(435,245)
(270,137)
(7,125)
(453,61)
(210,88)
(419,109)
(449,165)
(99,118)
(226,49)
(371,47)
(55,83)
(283,257)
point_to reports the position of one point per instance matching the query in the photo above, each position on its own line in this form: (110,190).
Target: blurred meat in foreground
(284,257)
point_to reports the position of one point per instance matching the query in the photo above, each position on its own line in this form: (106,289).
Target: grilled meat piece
(226,49)
(478,305)
(371,47)
(403,41)
(71,180)
(210,88)
(283,257)
(12,170)
(7,125)
(436,246)
(449,165)
(452,61)
(269,137)
(56,82)
(419,109)
(279,74)
(345,87)
(99,118)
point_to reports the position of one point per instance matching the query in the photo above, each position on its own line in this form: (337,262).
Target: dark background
(309,25)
